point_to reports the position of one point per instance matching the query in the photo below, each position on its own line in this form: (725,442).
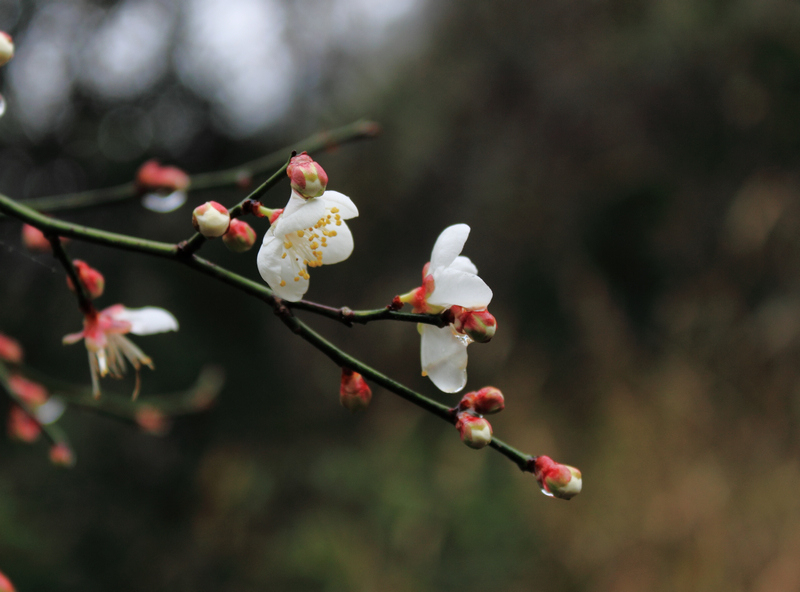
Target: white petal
(444,358)
(303,217)
(148,320)
(339,247)
(334,199)
(449,245)
(455,287)
(269,258)
(464,264)
(275,268)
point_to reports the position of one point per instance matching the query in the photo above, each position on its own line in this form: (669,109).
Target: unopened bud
(211,219)
(10,349)
(6,48)
(92,280)
(152,420)
(152,176)
(486,401)
(22,426)
(307,177)
(34,239)
(354,393)
(61,455)
(555,479)
(5,584)
(476,432)
(240,236)
(31,393)
(479,325)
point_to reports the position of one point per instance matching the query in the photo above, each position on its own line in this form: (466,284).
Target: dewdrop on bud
(61,455)
(6,48)
(486,401)
(475,431)
(240,236)
(211,219)
(555,479)
(10,349)
(354,393)
(307,177)
(92,280)
(479,325)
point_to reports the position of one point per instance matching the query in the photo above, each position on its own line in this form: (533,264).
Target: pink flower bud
(22,426)
(211,219)
(486,401)
(475,431)
(31,393)
(10,349)
(354,393)
(307,177)
(152,420)
(240,236)
(5,584)
(274,215)
(34,239)
(479,325)
(6,48)
(152,176)
(61,455)
(92,280)
(555,479)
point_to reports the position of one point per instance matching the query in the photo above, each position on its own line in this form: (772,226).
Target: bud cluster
(475,430)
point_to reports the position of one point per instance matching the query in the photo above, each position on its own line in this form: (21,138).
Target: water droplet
(2,105)
(50,411)
(164,203)
(465,339)
(547,493)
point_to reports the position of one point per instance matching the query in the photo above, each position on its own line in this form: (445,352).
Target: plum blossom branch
(282,308)
(231,177)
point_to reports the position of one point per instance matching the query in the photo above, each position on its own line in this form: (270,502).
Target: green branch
(257,290)
(214,180)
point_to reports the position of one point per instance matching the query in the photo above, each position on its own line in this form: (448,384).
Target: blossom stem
(84,301)
(348,317)
(258,290)
(357,130)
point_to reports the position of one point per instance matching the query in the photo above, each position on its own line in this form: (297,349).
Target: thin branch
(263,293)
(214,180)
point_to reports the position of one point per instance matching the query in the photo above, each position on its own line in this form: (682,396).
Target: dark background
(629,169)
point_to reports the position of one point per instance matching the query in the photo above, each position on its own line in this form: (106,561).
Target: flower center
(305,247)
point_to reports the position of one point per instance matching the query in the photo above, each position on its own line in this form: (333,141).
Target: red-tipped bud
(307,177)
(22,426)
(476,432)
(152,420)
(240,236)
(5,584)
(555,479)
(479,325)
(354,393)
(6,48)
(31,393)
(10,349)
(211,219)
(274,215)
(34,239)
(152,176)
(486,401)
(61,455)
(92,280)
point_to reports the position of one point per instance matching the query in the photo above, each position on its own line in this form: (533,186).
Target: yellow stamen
(334,210)
(283,283)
